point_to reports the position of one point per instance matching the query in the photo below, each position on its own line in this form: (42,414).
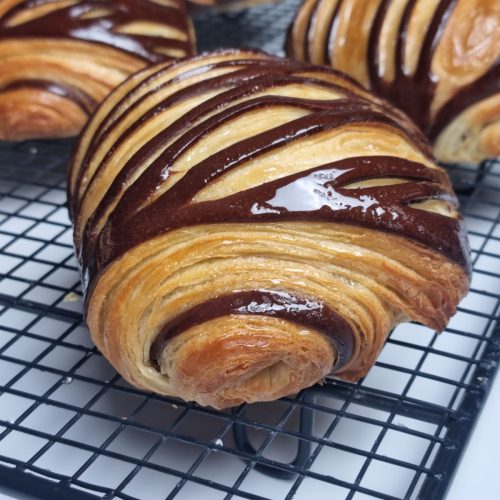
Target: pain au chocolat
(438,60)
(60,58)
(247,225)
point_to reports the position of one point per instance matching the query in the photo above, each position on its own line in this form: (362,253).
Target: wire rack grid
(70,427)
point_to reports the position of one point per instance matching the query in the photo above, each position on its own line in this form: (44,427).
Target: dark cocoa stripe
(249,81)
(251,86)
(193,90)
(99,136)
(269,66)
(482,88)
(303,311)
(314,195)
(105,127)
(152,178)
(86,102)
(289,45)
(236,77)
(340,113)
(66,22)
(205,69)
(433,37)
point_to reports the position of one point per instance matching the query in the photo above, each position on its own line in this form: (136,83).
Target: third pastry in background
(438,60)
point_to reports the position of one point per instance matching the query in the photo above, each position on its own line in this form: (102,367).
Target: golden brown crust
(439,60)
(278,358)
(254,224)
(26,113)
(59,59)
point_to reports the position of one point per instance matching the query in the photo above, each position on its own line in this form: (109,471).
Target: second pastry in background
(60,58)
(438,60)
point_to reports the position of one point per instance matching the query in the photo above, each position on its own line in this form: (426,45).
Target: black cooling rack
(70,427)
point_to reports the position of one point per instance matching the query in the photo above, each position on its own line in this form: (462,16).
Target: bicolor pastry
(438,60)
(60,58)
(247,225)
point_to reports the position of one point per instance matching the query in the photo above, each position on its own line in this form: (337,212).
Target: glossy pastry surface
(247,225)
(60,58)
(438,60)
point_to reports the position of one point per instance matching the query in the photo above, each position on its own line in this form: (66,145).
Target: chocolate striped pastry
(438,60)
(60,58)
(247,225)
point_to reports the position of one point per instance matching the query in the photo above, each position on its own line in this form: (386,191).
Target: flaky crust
(438,60)
(60,58)
(247,225)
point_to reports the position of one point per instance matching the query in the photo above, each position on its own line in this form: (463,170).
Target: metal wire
(39,283)
(70,427)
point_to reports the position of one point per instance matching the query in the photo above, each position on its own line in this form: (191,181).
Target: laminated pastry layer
(437,60)
(247,225)
(60,58)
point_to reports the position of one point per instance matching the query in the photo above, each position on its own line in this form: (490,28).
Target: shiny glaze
(249,80)
(322,199)
(412,93)
(153,178)
(260,75)
(67,23)
(308,312)
(315,195)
